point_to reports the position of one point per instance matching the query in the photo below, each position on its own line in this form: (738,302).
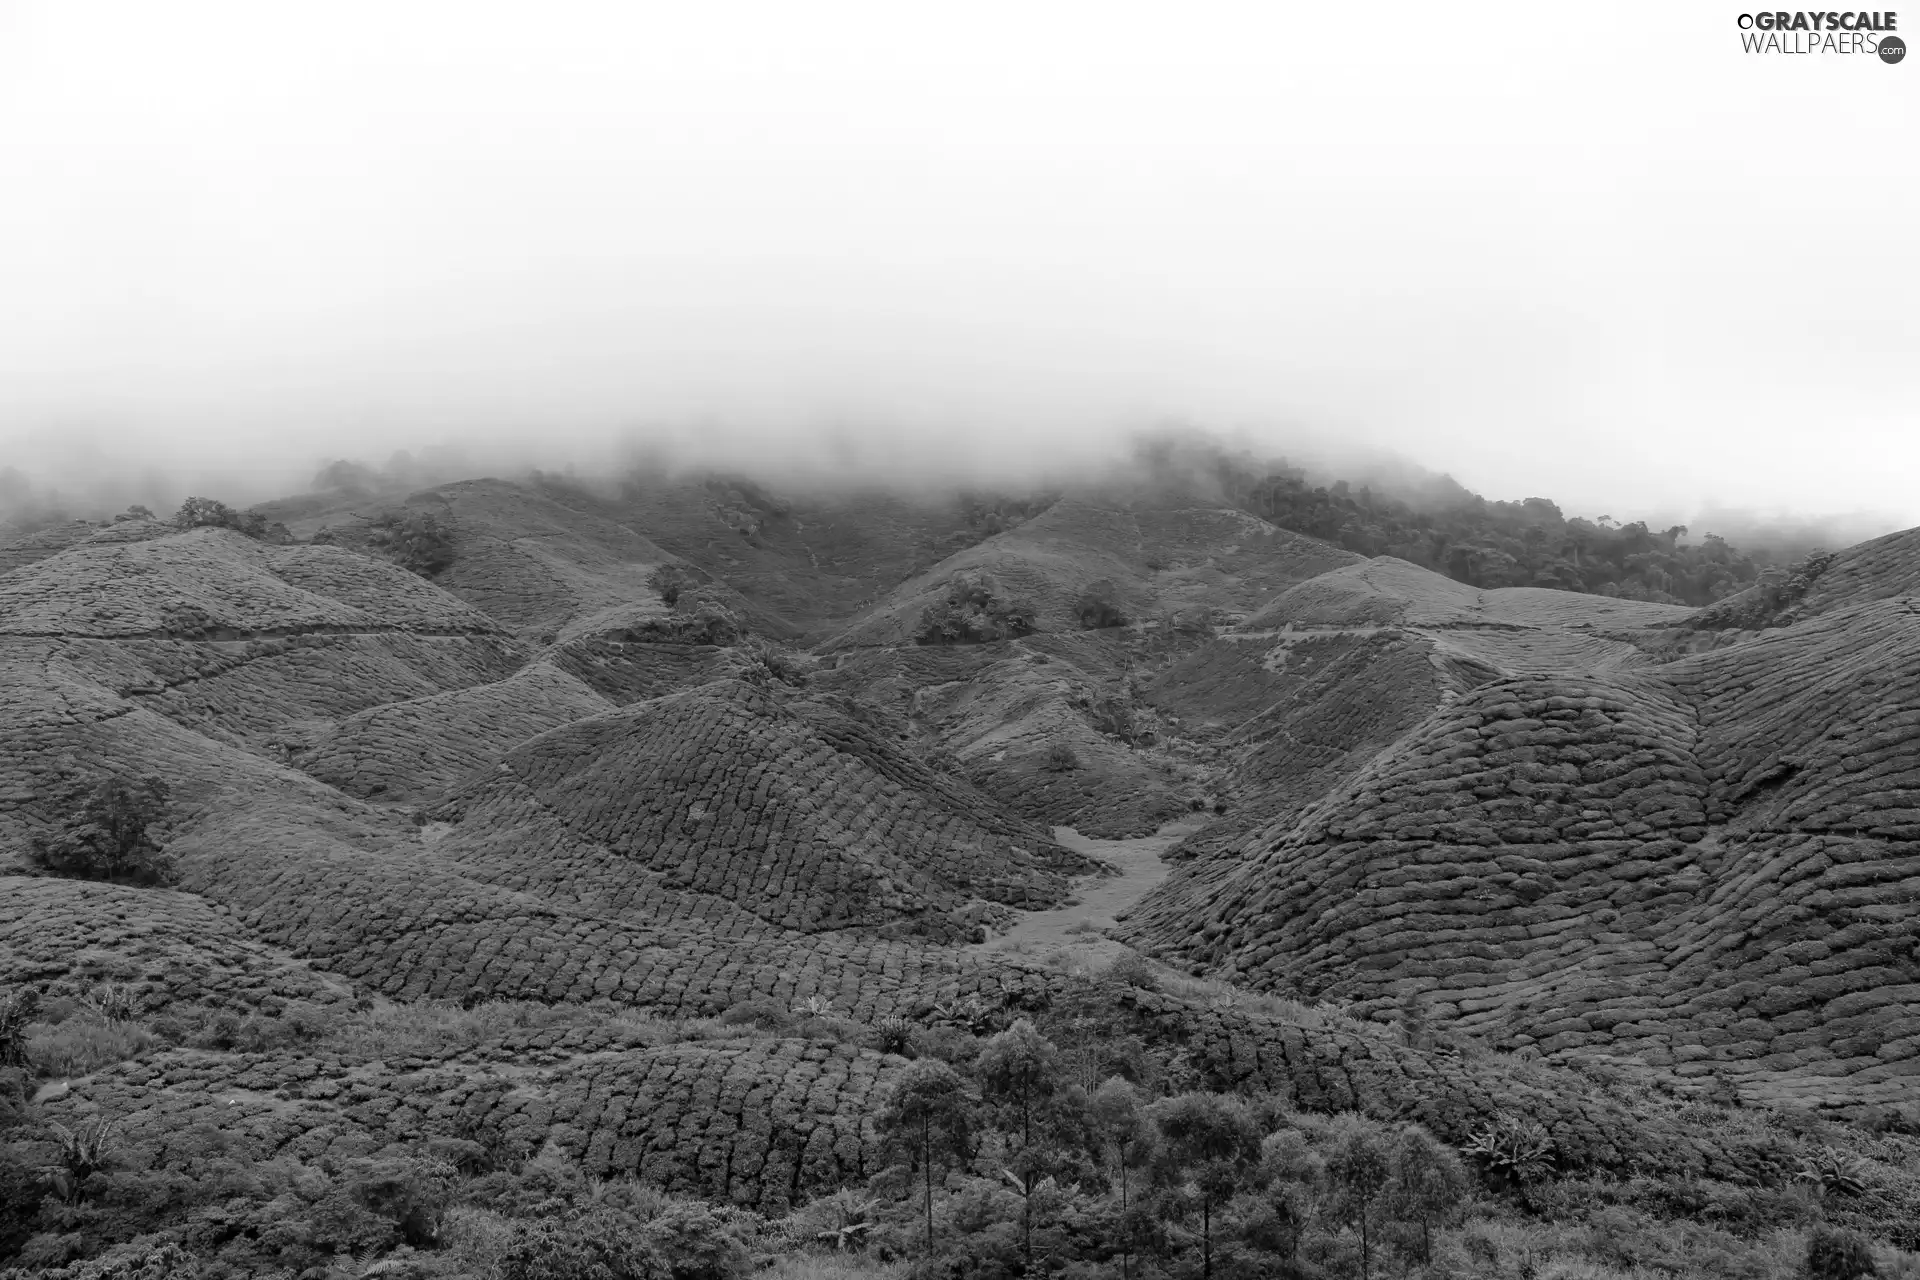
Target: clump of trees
(110,837)
(1769,602)
(699,615)
(670,581)
(1454,531)
(418,541)
(1012,1164)
(974,611)
(1099,607)
(205,513)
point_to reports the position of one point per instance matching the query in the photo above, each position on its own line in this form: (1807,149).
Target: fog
(1598,255)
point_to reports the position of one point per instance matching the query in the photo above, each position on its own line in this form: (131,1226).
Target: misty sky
(1591,252)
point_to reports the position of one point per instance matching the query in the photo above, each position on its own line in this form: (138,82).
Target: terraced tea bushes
(401,750)
(167,949)
(214,583)
(1700,869)
(1386,591)
(1880,569)
(1150,559)
(793,813)
(764,1123)
(625,672)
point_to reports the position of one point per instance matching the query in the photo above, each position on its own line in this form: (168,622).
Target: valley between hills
(513,878)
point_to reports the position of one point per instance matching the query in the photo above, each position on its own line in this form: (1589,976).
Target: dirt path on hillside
(1071,935)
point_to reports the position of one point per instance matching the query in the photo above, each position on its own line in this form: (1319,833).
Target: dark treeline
(1451,530)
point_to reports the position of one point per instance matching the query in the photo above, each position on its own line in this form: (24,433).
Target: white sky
(1591,252)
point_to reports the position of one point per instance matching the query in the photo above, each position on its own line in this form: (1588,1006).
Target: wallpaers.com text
(1829,32)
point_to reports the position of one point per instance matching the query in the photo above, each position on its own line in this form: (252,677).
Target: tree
(1359,1176)
(1129,1140)
(1209,1144)
(1099,606)
(928,1109)
(197,513)
(1292,1174)
(669,581)
(110,838)
(1429,1184)
(418,541)
(1019,1072)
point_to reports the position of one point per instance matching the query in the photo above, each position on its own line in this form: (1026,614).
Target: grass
(82,1046)
(834,1266)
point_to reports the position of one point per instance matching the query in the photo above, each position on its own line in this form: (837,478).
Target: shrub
(762,1012)
(109,838)
(697,1242)
(894,1034)
(197,513)
(974,612)
(1062,758)
(17,1008)
(1099,606)
(699,617)
(418,541)
(1131,969)
(669,581)
(1833,1171)
(771,663)
(412,1193)
(1838,1255)
(1514,1151)
(599,1246)
(84,1152)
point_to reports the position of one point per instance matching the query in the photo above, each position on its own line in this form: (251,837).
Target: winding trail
(1073,933)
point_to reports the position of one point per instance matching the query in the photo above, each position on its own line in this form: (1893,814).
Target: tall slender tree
(1210,1146)
(928,1110)
(1128,1137)
(1359,1174)
(1019,1072)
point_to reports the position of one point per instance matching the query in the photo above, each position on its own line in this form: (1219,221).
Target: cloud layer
(1618,263)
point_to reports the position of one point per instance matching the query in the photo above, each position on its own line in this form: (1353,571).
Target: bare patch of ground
(1072,935)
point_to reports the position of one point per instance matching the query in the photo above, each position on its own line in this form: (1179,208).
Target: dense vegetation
(197,513)
(1454,531)
(974,610)
(1061,1142)
(109,837)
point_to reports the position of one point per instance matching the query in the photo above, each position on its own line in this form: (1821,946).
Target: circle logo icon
(1892,49)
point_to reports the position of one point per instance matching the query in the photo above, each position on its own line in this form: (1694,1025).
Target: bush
(418,541)
(699,616)
(974,612)
(1838,1255)
(17,1008)
(670,581)
(764,1012)
(1099,606)
(894,1034)
(697,1242)
(197,513)
(600,1246)
(109,839)
(1062,758)
(1131,969)
(770,663)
